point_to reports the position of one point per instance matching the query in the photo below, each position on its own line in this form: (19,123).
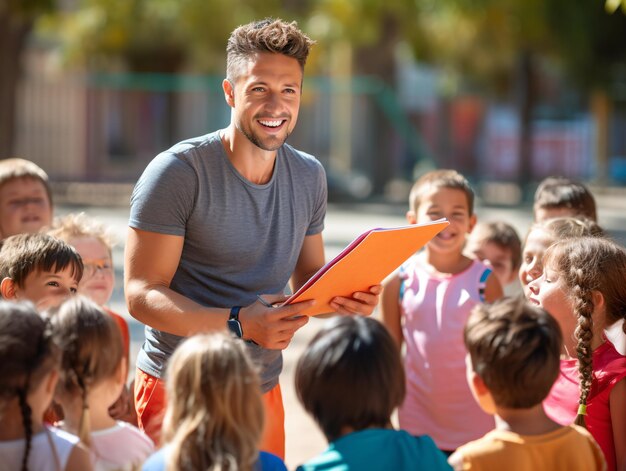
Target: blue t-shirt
(379,449)
(267,461)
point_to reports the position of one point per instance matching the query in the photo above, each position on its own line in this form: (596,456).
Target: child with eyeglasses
(94,245)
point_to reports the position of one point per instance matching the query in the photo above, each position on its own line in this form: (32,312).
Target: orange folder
(365,262)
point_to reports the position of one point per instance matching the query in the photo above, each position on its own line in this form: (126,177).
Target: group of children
(533,381)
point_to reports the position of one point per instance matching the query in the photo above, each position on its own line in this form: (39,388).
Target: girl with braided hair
(28,375)
(93,373)
(583,287)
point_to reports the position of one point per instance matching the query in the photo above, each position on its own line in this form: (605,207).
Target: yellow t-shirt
(568,448)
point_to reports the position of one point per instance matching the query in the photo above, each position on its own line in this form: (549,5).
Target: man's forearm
(164,309)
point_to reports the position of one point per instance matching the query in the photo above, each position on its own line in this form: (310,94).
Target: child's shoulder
(123,431)
(121,444)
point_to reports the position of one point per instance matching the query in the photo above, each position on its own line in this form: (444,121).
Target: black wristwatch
(233,321)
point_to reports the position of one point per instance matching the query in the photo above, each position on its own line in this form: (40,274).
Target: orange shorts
(150,403)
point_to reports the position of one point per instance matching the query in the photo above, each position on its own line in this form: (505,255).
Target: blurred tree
(373,29)
(17,18)
(501,42)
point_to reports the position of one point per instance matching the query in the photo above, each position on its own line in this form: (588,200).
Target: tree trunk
(526,100)
(378,60)
(13,34)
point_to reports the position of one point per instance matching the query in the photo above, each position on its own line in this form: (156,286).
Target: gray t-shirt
(241,239)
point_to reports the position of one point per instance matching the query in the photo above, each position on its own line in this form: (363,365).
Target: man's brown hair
(268,35)
(515,349)
(350,375)
(24,254)
(441,179)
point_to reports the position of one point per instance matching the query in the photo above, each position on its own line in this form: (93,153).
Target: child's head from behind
(25,198)
(499,244)
(514,353)
(39,268)
(28,369)
(542,235)
(215,408)
(561,197)
(92,356)
(350,377)
(443,194)
(583,280)
(94,245)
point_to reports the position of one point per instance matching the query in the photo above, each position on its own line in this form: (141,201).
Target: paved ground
(343,224)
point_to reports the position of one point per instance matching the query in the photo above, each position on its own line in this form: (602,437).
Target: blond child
(39,268)
(95,247)
(425,304)
(28,375)
(542,235)
(498,244)
(582,287)
(25,198)
(214,417)
(352,404)
(562,197)
(513,362)
(93,373)
(93,243)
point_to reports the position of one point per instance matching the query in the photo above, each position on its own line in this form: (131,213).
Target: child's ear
(7,288)
(411,217)
(122,371)
(482,394)
(51,382)
(472,223)
(597,298)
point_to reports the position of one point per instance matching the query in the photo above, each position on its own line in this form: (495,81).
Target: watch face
(235,327)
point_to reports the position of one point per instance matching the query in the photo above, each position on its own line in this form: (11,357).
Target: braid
(28,424)
(84,425)
(583,308)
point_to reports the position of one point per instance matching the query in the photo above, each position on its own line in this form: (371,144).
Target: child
(92,242)
(499,244)
(583,287)
(542,235)
(214,417)
(39,268)
(561,197)
(25,198)
(93,372)
(513,362)
(350,379)
(426,303)
(28,375)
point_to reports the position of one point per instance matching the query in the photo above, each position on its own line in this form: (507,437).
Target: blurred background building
(505,91)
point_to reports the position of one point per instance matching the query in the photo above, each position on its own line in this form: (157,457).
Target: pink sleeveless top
(434,309)
(561,405)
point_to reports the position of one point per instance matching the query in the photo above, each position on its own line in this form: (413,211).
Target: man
(219,219)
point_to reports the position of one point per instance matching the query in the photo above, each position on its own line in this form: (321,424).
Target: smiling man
(219,219)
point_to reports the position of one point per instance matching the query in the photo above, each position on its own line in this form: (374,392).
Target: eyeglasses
(92,265)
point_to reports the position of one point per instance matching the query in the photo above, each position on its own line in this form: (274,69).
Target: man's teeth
(272,124)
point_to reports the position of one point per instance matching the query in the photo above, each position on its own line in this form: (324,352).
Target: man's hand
(272,327)
(361,303)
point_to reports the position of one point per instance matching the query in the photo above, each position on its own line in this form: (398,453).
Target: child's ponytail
(92,352)
(27,421)
(583,307)
(25,362)
(84,424)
